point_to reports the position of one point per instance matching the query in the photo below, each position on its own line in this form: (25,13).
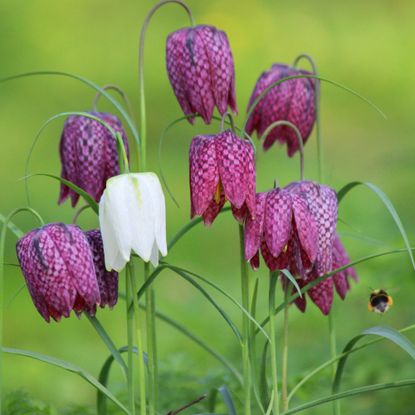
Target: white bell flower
(132,216)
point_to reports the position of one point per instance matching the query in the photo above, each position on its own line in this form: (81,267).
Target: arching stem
(284,370)
(299,139)
(150,296)
(114,88)
(231,121)
(143,125)
(78,213)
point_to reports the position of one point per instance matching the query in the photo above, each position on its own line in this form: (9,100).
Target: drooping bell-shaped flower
(322,202)
(107,280)
(340,279)
(201,70)
(58,267)
(285,231)
(221,167)
(88,154)
(292,100)
(132,217)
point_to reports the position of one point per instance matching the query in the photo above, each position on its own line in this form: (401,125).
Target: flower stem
(272,284)
(245,325)
(284,393)
(143,124)
(139,340)
(117,89)
(333,354)
(299,138)
(151,344)
(130,341)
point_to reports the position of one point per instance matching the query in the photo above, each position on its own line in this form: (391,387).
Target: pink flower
(285,231)
(292,100)
(222,167)
(58,266)
(201,71)
(88,153)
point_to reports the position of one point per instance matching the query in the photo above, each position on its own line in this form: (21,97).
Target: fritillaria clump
(293,227)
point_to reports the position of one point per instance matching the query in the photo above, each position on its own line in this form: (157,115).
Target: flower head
(88,153)
(222,167)
(285,231)
(201,71)
(132,216)
(322,201)
(292,100)
(107,280)
(57,263)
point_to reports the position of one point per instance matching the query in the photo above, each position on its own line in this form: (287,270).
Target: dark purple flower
(201,71)
(107,280)
(285,231)
(57,263)
(88,153)
(322,201)
(222,167)
(292,100)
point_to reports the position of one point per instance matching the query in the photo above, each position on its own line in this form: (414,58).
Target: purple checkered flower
(341,279)
(201,70)
(222,167)
(285,231)
(88,153)
(107,280)
(58,266)
(322,201)
(292,100)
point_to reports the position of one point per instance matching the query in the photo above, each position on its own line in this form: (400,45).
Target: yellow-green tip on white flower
(132,217)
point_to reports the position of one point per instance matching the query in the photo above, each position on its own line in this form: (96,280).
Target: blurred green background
(364,45)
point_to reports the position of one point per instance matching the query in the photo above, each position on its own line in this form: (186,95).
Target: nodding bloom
(285,231)
(322,202)
(107,280)
(201,70)
(88,154)
(292,100)
(340,279)
(222,167)
(58,267)
(132,217)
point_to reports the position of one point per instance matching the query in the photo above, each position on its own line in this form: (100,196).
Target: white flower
(132,216)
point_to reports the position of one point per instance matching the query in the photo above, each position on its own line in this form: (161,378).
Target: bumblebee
(379,301)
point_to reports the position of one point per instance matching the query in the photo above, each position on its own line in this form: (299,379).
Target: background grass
(364,45)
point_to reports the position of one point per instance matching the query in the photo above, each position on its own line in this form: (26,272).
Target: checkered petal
(254,229)
(57,264)
(204,173)
(292,100)
(107,280)
(89,154)
(278,221)
(201,70)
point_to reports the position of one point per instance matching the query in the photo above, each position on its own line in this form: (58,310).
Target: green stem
(299,138)
(272,284)
(143,125)
(117,89)
(151,343)
(333,354)
(245,325)
(284,393)
(130,341)
(139,340)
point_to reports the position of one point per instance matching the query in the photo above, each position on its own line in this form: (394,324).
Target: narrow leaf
(12,227)
(223,390)
(386,332)
(388,204)
(70,367)
(292,279)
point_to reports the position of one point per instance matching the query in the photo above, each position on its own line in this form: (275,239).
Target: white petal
(154,258)
(159,206)
(142,221)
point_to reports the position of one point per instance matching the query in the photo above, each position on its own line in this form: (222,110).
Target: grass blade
(223,390)
(386,332)
(70,367)
(349,393)
(388,204)
(292,279)
(18,233)
(88,199)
